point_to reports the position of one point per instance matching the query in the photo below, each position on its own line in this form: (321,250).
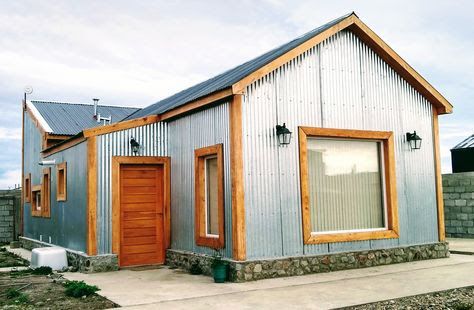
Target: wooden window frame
(391,205)
(46,193)
(201,237)
(34,190)
(27,188)
(62,167)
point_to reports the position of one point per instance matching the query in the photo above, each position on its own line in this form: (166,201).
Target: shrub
(12,293)
(79,289)
(43,270)
(2,249)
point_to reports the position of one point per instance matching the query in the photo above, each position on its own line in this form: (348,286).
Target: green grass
(79,289)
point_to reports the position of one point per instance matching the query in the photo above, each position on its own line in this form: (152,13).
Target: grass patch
(43,270)
(8,259)
(79,289)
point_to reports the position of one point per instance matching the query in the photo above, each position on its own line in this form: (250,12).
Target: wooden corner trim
(239,239)
(390,185)
(92,196)
(120,126)
(139,160)
(61,168)
(200,235)
(438,177)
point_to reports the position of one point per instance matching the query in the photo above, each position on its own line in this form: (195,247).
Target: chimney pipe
(96,103)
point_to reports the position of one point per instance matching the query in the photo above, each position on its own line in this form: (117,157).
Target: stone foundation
(295,266)
(80,261)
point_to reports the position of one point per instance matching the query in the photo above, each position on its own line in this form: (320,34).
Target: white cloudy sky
(137,52)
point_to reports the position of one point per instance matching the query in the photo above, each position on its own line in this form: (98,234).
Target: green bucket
(220,273)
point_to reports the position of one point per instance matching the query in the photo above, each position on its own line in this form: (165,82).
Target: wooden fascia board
(120,126)
(401,66)
(35,120)
(354,24)
(197,104)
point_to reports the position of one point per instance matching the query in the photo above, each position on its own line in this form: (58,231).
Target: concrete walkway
(461,246)
(173,289)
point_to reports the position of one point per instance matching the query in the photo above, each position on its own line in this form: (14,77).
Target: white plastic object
(54,257)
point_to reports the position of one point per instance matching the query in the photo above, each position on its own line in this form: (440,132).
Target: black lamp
(135,146)
(414,140)
(283,134)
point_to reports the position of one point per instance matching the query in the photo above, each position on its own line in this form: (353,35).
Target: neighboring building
(205,169)
(462,156)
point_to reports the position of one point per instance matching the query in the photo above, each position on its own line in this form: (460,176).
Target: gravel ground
(455,299)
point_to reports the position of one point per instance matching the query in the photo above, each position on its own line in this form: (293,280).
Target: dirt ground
(8,259)
(43,292)
(455,299)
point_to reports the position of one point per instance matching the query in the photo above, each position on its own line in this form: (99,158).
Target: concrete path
(173,289)
(461,246)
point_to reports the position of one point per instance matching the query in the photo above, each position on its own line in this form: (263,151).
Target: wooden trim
(61,168)
(46,193)
(239,242)
(354,24)
(140,160)
(390,184)
(196,104)
(92,196)
(23,110)
(73,141)
(199,197)
(439,181)
(35,189)
(400,66)
(35,120)
(27,188)
(100,130)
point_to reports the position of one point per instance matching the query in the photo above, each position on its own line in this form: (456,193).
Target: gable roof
(466,143)
(61,118)
(237,78)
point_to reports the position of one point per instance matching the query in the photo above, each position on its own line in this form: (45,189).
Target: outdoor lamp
(283,134)
(135,146)
(414,140)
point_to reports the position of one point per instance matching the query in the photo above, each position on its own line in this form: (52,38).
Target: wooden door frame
(117,161)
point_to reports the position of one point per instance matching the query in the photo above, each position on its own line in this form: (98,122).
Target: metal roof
(71,118)
(466,143)
(228,78)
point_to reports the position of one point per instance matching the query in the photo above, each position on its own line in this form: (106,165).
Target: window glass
(212,223)
(345,185)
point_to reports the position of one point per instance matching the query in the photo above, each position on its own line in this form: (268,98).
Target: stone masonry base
(293,266)
(80,261)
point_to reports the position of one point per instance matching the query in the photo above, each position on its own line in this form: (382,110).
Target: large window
(36,200)
(209,196)
(61,182)
(347,185)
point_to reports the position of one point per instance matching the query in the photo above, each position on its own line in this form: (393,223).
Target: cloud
(10,179)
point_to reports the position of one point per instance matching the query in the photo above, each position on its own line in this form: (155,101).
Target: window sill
(211,242)
(352,236)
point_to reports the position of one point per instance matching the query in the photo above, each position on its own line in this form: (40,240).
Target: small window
(209,197)
(46,193)
(36,200)
(347,185)
(61,182)
(27,188)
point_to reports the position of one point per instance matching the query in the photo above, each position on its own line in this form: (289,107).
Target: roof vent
(96,103)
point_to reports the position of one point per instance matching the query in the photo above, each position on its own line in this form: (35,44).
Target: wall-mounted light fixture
(47,162)
(134,145)
(414,140)
(283,134)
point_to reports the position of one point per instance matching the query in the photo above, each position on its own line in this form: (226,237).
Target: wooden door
(141,215)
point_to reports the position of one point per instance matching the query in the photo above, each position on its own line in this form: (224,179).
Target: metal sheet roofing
(72,118)
(228,78)
(466,143)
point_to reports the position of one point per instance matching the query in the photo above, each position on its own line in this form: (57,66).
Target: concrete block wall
(9,203)
(458,192)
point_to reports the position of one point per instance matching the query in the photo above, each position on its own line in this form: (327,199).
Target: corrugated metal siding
(67,225)
(153,138)
(205,128)
(340,83)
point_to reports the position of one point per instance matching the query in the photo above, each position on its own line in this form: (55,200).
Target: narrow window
(27,188)
(36,201)
(348,185)
(46,193)
(61,182)
(209,197)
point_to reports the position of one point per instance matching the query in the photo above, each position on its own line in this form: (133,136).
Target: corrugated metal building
(207,169)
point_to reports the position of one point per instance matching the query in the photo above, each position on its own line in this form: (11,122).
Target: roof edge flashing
(42,122)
